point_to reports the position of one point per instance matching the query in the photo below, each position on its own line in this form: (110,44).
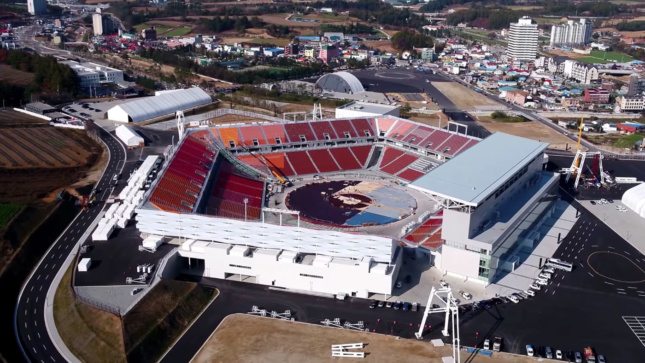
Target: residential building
(630,127)
(571,33)
(93,75)
(36,7)
(596,95)
(149,33)
(102,24)
(630,103)
(292,49)
(328,53)
(636,85)
(310,52)
(523,40)
(516,97)
(580,72)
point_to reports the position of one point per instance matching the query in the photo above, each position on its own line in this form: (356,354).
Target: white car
(548,269)
(603,201)
(558,354)
(545,275)
(529,292)
(542,282)
(535,287)
(443,283)
(529,350)
(487,344)
(514,299)
(466,295)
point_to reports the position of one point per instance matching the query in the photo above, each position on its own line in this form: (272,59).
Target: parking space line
(590,274)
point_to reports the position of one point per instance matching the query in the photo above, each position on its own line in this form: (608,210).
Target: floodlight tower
(180,124)
(448,305)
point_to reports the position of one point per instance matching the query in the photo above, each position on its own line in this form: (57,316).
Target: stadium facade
(212,200)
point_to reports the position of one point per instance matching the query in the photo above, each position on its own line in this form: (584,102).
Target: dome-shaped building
(342,81)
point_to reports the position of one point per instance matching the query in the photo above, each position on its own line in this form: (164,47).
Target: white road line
(38,335)
(29,337)
(553,293)
(608,283)
(625,252)
(620,288)
(622,292)
(590,274)
(632,287)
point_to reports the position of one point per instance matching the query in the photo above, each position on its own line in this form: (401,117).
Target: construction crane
(577,165)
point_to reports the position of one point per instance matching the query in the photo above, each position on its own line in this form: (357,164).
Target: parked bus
(559,264)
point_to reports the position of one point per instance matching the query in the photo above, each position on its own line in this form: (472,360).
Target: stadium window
(314,276)
(303,138)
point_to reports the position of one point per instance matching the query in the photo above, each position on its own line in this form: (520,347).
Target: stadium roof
(369,107)
(264,235)
(478,172)
(342,81)
(161,105)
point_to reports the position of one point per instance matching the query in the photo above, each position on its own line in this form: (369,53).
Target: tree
(409,39)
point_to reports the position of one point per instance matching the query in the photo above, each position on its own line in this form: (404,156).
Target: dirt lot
(383,45)
(245,338)
(15,76)
(530,129)
(464,97)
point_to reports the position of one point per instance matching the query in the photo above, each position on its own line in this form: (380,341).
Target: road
(25,36)
(29,318)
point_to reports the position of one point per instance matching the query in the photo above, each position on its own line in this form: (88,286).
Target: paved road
(29,318)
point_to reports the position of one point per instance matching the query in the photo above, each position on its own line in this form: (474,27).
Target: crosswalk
(637,326)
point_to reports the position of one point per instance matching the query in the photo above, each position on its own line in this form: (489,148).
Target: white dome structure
(342,81)
(634,199)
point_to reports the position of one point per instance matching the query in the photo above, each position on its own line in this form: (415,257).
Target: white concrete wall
(460,262)
(331,278)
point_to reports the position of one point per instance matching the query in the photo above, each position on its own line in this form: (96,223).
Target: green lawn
(178,32)
(599,56)
(627,141)
(164,30)
(7,212)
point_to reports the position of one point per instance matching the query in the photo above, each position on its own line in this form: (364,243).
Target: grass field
(598,56)
(91,334)
(165,30)
(250,339)
(7,212)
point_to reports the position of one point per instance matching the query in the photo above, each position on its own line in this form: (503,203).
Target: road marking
(590,274)
(38,335)
(34,348)
(45,265)
(632,287)
(627,253)
(553,293)
(32,288)
(29,337)
(619,288)
(36,298)
(608,283)
(44,347)
(622,292)
(37,277)
(612,247)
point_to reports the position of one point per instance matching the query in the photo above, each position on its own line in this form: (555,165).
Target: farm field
(9,117)
(167,28)
(246,338)
(15,76)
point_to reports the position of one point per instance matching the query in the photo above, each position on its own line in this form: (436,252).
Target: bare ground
(245,338)
(464,97)
(529,129)
(15,76)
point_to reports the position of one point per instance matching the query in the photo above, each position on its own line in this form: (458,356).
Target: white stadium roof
(634,199)
(164,104)
(470,177)
(342,81)
(264,235)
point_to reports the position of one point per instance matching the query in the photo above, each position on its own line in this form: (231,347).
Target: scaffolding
(449,306)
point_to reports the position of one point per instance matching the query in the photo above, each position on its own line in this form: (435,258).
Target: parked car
(535,287)
(381,303)
(443,283)
(548,353)
(545,275)
(466,295)
(388,304)
(406,306)
(396,305)
(514,299)
(578,357)
(415,306)
(373,304)
(593,202)
(558,354)
(548,269)
(601,358)
(529,292)
(529,350)
(487,344)
(542,282)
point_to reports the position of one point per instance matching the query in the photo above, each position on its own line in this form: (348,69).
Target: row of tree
(632,26)
(409,39)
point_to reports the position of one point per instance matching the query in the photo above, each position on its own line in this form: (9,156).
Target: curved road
(29,317)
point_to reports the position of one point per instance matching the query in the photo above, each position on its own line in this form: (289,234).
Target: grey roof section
(368,107)
(342,81)
(473,175)
(165,104)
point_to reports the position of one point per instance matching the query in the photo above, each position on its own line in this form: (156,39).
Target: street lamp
(246,202)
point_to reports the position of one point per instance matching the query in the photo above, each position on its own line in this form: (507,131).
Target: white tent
(129,137)
(634,199)
(164,104)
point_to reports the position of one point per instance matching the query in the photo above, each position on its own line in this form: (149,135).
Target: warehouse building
(366,109)
(165,104)
(129,137)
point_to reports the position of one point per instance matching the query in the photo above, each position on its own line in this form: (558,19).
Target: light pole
(246,202)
